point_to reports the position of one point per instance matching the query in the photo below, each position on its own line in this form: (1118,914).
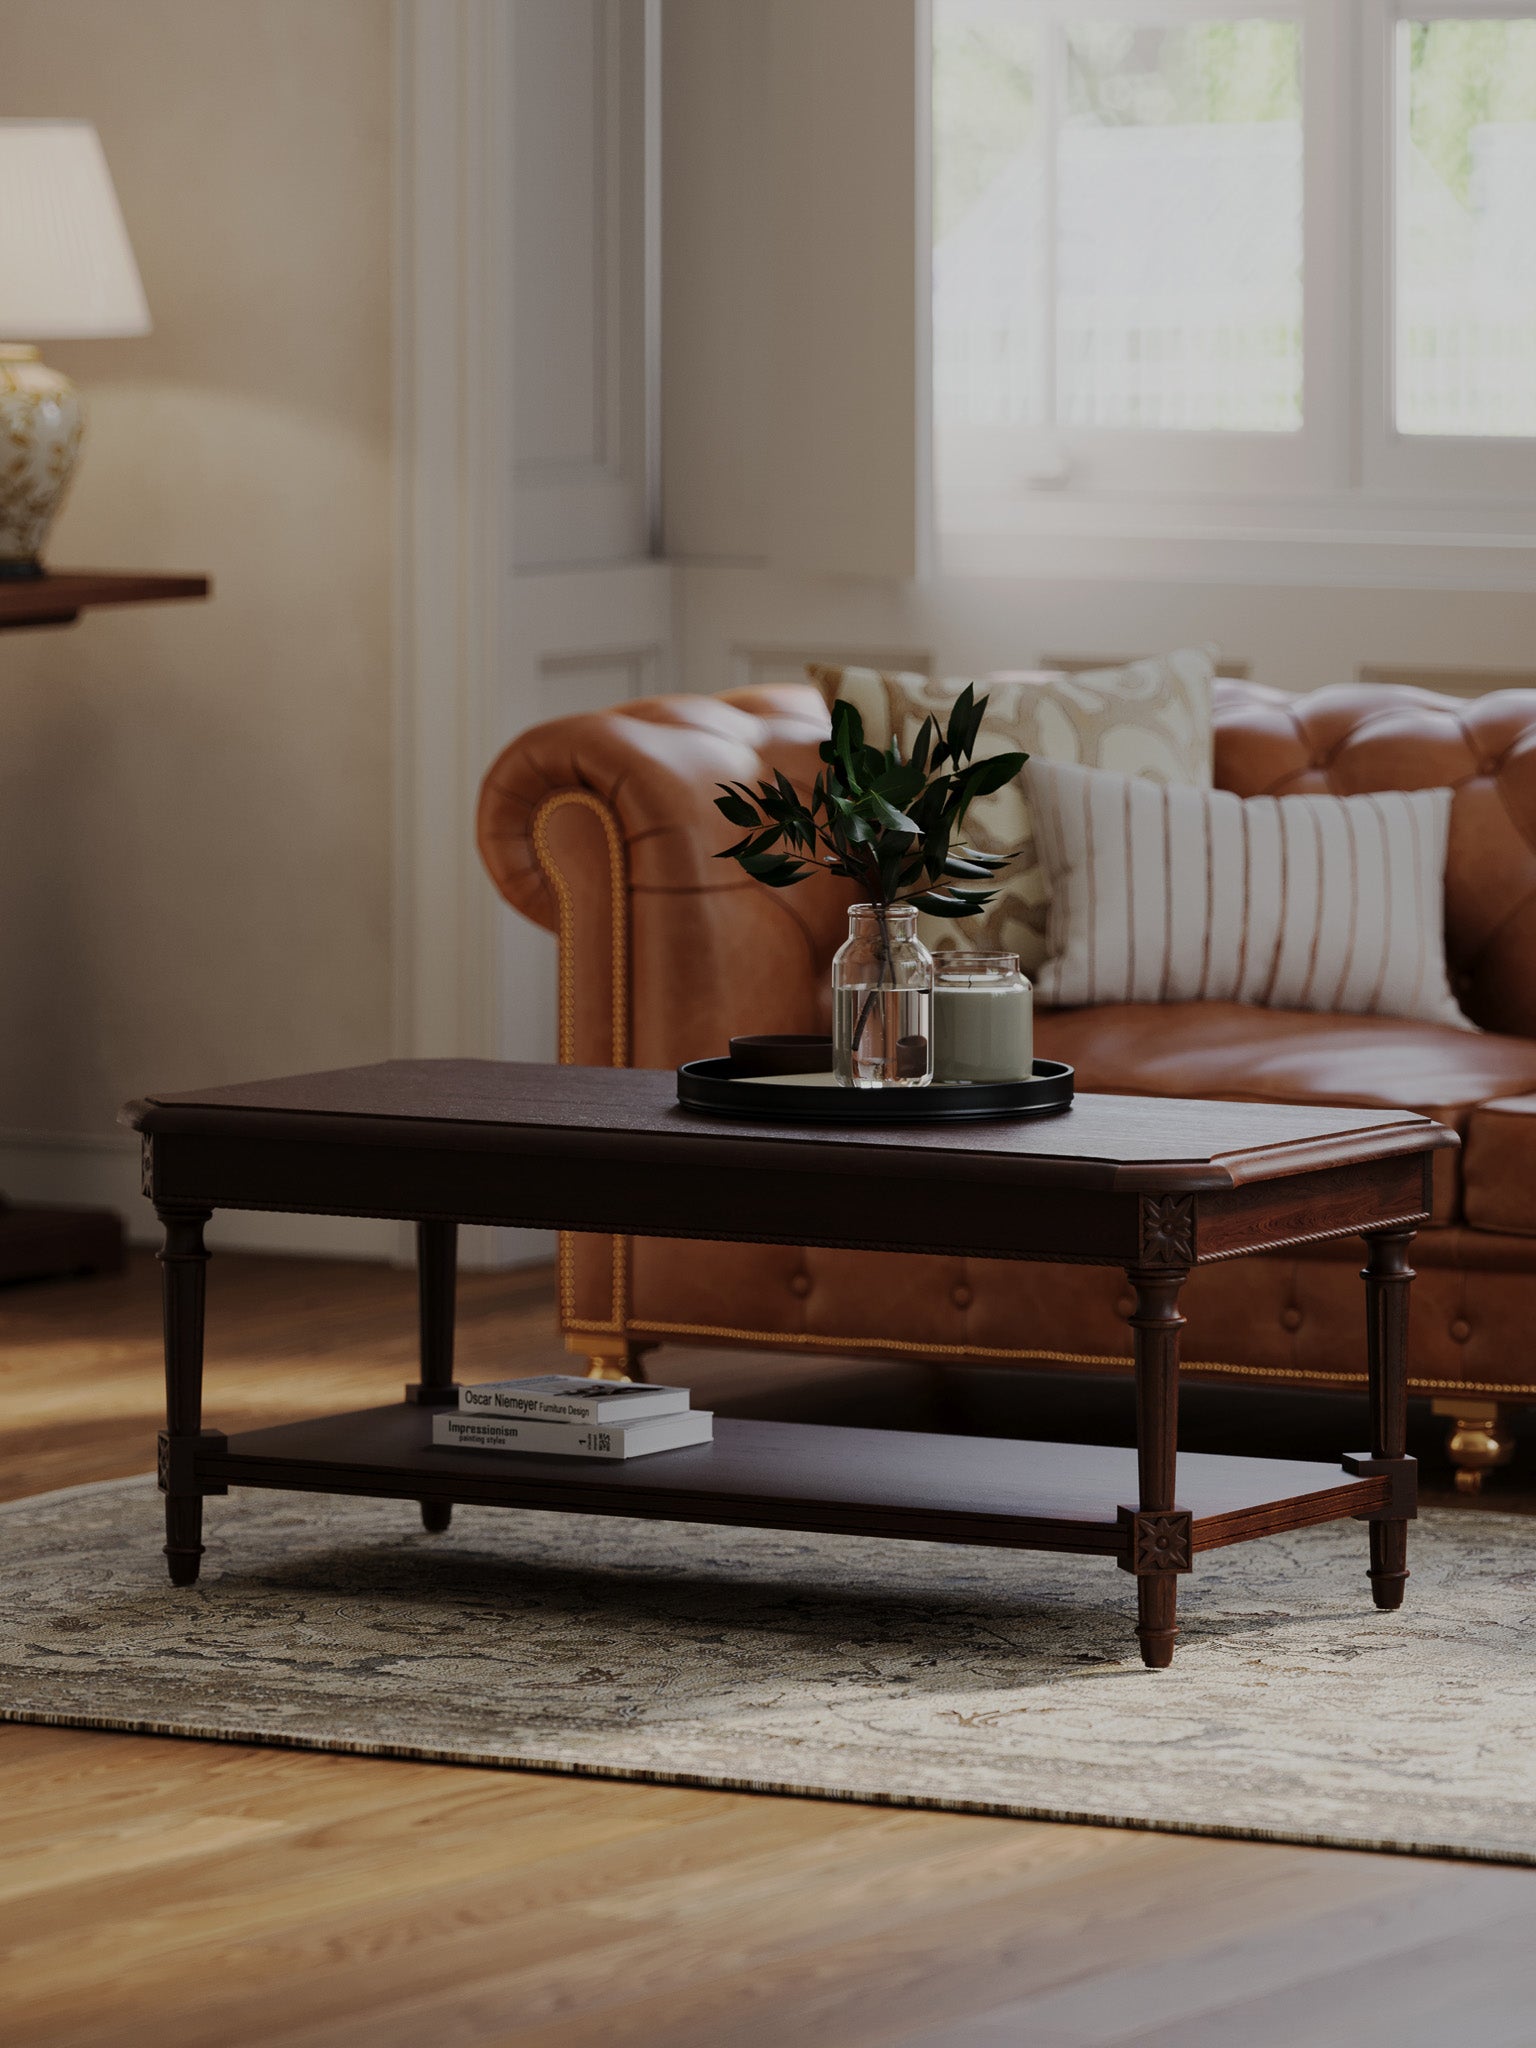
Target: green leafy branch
(889,824)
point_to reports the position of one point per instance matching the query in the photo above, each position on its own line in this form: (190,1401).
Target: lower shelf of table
(786,1475)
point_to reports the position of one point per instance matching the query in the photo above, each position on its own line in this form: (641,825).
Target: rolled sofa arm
(603,829)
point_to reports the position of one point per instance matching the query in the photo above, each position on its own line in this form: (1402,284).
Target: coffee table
(1153,1186)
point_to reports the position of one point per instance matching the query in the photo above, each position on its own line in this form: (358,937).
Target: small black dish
(788,1052)
(720,1088)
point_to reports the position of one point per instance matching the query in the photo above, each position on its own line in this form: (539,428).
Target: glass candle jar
(983,1018)
(882,1000)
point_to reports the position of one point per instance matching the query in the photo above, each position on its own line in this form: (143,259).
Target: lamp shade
(66,267)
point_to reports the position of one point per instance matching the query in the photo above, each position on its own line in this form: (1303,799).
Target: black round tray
(714,1088)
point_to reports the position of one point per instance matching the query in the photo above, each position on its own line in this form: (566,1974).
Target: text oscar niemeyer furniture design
(1151,1188)
(602,827)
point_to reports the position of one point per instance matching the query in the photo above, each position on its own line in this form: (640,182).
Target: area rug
(983,1681)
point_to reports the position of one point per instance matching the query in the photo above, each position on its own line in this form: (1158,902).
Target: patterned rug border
(702,1781)
(32,1500)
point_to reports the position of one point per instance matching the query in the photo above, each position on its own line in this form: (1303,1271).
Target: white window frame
(1110,459)
(1347,475)
(1394,463)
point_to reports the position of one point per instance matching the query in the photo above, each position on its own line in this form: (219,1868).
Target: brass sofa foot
(608,1358)
(1480,1440)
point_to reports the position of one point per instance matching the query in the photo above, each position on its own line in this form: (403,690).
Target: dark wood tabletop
(601,1148)
(1104,1141)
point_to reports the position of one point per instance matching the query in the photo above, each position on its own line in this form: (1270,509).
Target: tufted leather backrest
(1365,736)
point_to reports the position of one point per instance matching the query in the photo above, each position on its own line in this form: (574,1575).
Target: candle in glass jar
(983,1018)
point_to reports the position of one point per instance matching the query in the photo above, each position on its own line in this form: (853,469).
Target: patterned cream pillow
(1150,719)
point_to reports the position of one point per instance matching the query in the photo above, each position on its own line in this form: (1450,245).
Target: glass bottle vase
(882,1001)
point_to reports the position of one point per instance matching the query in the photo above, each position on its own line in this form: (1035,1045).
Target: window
(1186,247)
(1465,162)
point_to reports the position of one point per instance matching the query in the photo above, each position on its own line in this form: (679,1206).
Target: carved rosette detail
(1162,1542)
(1168,1230)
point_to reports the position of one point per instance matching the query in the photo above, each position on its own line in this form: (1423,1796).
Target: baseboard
(103,1173)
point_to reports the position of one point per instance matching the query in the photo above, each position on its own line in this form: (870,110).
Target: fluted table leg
(437,1253)
(1387,1276)
(1158,1532)
(183,1266)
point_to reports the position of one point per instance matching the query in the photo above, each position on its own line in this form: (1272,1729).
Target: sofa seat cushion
(1498,1170)
(1235,1052)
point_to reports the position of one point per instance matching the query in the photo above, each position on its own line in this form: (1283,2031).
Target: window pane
(989,277)
(1117,222)
(1180,217)
(1466,227)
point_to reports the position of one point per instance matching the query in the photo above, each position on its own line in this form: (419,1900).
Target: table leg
(1387,1275)
(1158,1532)
(437,1254)
(183,1268)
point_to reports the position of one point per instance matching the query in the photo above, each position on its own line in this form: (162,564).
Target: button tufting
(1125,1305)
(1290,1318)
(800,1283)
(1461,1330)
(961,1296)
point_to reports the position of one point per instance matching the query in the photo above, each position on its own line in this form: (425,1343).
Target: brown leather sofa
(602,828)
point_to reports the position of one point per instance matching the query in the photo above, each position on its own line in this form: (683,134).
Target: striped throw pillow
(1167,895)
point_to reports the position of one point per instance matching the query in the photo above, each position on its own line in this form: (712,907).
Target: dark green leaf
(993,771)
(882,813)
(945,904)
(777,870)
(754,843)
(963,723)
(735,809)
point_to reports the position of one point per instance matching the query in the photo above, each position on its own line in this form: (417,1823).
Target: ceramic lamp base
(41,422)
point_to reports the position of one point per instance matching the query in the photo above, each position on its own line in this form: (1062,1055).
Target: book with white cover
(573,1439)
(561,1397)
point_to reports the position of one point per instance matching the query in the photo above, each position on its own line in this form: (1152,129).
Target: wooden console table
(1156,1187)
(59,596)
(37,1242)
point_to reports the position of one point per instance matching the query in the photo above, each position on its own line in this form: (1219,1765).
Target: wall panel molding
(579,680)
(568,206)
(454,441)
(580,329)
(453,520)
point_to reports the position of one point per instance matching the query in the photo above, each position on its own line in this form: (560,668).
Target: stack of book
(572,1418)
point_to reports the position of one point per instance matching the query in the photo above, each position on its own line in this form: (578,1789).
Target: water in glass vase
(882,1037)
(882,1000)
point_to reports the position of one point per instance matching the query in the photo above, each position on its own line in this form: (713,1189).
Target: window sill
(1354,541)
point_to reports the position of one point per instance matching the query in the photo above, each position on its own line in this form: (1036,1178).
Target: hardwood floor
(184,1894)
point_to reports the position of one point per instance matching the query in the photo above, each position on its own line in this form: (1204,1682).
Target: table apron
(891,1206)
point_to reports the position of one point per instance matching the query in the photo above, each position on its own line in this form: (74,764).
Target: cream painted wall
(195,800)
